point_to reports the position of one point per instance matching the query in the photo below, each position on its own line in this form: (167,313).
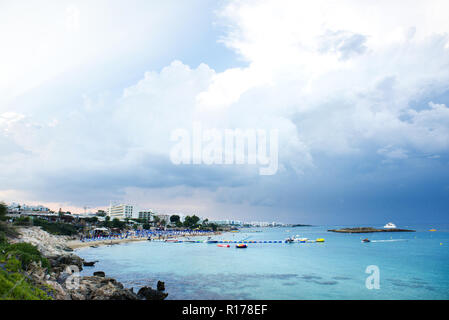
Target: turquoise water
(414,268)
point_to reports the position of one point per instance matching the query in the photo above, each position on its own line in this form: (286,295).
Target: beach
(76,244)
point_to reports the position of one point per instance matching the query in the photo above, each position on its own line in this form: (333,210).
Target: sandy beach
(76,244)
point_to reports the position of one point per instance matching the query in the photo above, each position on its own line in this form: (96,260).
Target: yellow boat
(433,230)
(319,240)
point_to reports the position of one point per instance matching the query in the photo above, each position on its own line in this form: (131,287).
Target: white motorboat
(390,225)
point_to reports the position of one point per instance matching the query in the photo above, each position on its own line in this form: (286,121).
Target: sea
(402,265)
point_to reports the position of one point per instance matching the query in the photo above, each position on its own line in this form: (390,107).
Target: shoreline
(78,244)
(64,264)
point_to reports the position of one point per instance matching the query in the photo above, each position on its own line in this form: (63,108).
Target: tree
(175,218)
(191,221)
(3,211)
(101,213)
(156,220)
(116,223)
(107,221)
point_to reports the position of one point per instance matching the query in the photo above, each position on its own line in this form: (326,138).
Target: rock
(64,281)
(150,294)
(98,288)
(160,286)
(89,263)
(36,272)
(47,244)
(58,291)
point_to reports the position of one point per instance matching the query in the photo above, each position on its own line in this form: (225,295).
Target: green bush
(26,253)
(57,228)
(14,286)
(7,230)
(2,237)
(3,211)
(22,221)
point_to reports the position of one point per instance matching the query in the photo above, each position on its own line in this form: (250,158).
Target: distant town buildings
(124,211)
(227,222)
(18,208)
(120,211)
(146,215)
(238,223)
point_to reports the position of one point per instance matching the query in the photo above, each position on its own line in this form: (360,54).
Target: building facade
(120,211)
(146,215)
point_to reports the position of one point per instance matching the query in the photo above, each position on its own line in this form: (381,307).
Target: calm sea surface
(417,267)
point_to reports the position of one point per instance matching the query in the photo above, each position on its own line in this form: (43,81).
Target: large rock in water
(100,274)
(98,288)
(160,286)
(60,263)
(150,294)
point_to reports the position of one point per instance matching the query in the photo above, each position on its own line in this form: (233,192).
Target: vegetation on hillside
(14,283)
(57,228)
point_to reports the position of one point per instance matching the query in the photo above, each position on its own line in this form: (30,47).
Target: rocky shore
(63,281)
(368,230)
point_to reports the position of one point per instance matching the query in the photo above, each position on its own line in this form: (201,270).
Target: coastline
(78,244)
(62,278)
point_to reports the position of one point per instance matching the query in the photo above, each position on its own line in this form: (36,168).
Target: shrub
(57,228)
(26,253)
(22,221)
(14,286)
(3,211)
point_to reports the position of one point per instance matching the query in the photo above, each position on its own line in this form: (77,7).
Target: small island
(368,230)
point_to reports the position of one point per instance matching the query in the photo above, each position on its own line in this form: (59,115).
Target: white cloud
(336,79)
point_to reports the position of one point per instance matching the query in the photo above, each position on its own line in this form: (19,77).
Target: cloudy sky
(90,92)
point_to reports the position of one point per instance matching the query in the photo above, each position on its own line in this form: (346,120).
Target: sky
(91,92)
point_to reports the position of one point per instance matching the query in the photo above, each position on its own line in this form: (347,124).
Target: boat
(390,225)
(433,230)
(171,240)
(212,241)
(366,240)
(295,239)
(241,246)
(319,240)
(223,245)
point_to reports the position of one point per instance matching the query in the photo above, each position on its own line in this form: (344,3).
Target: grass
(14,260)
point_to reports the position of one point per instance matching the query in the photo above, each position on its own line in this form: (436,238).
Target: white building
(227,222)
(121,211)
(17,208)
(146,215)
